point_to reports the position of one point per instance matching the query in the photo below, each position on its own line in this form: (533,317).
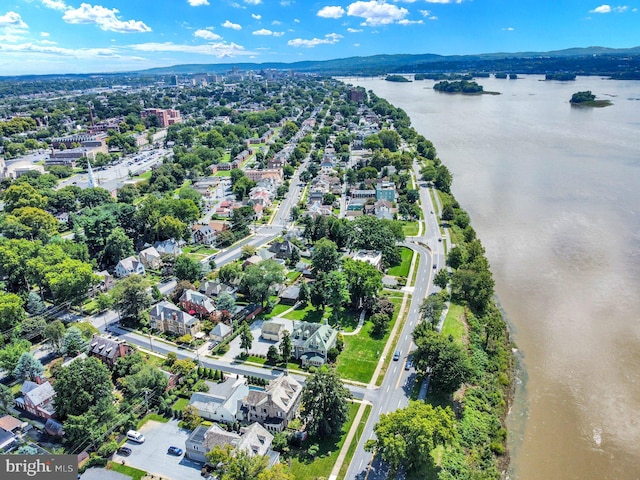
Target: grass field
(303,467)
(354,442)
(277,310)
(308,314)
(362,352)
(180,404)
(402,270)
(411,229)
(454,323)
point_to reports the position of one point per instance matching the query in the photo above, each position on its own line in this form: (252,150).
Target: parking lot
(151,456)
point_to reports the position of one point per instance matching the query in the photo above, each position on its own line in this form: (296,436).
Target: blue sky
(71,36)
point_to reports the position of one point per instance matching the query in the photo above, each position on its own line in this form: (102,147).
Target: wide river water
(554,194)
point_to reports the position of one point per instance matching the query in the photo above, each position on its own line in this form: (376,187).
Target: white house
(220,403)
(150,258)
(128,266)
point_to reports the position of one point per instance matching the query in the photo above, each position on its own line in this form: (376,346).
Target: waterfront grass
(402,270)
(305,467)
(454,323)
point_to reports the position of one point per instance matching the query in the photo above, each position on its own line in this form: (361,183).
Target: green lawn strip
(305,468)
(454,324)
(293,275)
(361,354)
(398,302)
(308,314)
(263,361)
(223,173)
(414,275)
(402,270)
(152,416)
(276,311)
(180,404)
(144,176)
(354,442)
(411,229)
(134,473)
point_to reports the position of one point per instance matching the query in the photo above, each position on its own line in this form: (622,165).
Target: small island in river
(587,99)
(396,78)
(461,86)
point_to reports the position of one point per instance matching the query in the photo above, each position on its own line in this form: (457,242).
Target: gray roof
(292,292)
(104,347)
(165,309)
(37,394)
(225,394)
(221,330)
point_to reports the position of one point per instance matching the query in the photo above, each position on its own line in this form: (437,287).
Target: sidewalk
(347,442)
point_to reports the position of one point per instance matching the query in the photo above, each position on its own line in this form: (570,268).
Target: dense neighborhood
(204,274)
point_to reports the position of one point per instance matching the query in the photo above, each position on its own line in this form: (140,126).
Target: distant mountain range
(587,61)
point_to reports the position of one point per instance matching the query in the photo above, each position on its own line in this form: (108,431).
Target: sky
(71,36)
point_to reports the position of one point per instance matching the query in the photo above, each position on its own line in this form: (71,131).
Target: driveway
(151,456)
(259,346)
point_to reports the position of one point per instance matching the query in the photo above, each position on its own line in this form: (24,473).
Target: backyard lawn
(402,270)
(362,352)
(276,311)
(411,229)
(304,467)
(308,314)
(454,323)
(180,404)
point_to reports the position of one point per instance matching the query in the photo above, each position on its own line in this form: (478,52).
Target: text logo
(43,467)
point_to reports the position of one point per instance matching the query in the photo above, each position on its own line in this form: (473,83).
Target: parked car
(135,436)
(124,451)
(174,451)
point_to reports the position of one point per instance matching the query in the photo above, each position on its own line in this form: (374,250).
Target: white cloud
(78,53)
(296,20)
(206,34)
(286,3)
(276,22)
(234,26)
(103,17)
(221,49)
(376,12)
(356,44)
(55,4)
(265,32)
(425,13)
(13,20)
(508,29)
(331,12)
(45,34)
(257,17)
(354,30)
(253,2)
(443,1)
(197,3)
(406,22)
(48,42)
(329,39)
(601,9)
(608,9)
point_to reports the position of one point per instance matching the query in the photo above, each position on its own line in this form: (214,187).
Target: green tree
(7,400)
(407,437)
(118,246)
(11,311)
(441,279)
(305,293)
(286,348)
(131,298)
(431,309)
(170,227)
(32,327)
(187,268)
(35,305)
(183,367)
(54,334)
(190,417)
(82,385)
(230,273)
(30,222)
(365,280)
(445,359)
(11,353)
(258,279)
(20,195)
(325,403)
(246,338)
(70,281)
(94,197)
(28,368)
(325,256)
(73,342)
(337,292)
(273,357)
(226,301)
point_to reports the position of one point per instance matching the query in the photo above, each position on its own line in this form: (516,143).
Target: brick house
(108,350)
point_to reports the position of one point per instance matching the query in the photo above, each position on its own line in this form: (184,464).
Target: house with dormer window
(275,406)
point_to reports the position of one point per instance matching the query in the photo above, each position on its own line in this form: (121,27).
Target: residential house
(312,341)
(108,350)
(53,428)
(169,247)
(272,330)
(248,313)
(266,173)
(283,249)
(166,317)
(355,193)
(316,208)
(37,399)
(12,424)
(383,209)
(220,403)
(196,303)
(290,295)
(213,288)
(386,191)
(7,440)
(374,257)
(252,260)
(150,258)
(207,233)
(220,332)
(107,282)
(254,439)
(128,266)
(275,406)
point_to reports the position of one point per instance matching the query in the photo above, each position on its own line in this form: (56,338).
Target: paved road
(396,387)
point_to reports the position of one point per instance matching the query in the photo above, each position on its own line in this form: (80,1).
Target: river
(554,194)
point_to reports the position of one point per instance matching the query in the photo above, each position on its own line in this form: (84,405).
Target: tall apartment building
(166,117)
